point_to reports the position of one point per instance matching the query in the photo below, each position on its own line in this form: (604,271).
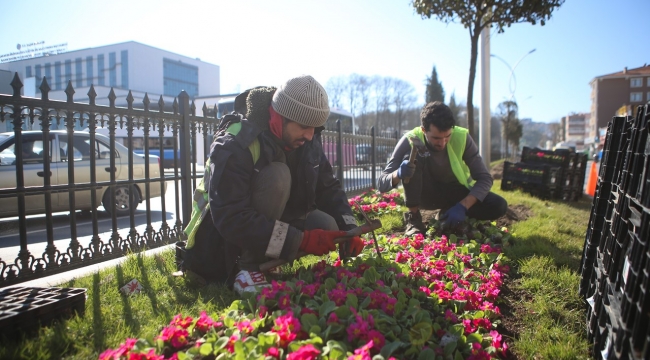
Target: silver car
(82,149)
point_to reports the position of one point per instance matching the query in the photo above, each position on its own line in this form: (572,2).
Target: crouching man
(451,177)
(268,189)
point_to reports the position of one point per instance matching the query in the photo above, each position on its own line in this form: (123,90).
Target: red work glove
(319,242)
(351,248)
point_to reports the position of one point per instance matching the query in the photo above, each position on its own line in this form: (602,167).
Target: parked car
(82,149)
(364,154)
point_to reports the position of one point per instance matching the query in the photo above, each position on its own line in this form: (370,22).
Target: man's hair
(437,114)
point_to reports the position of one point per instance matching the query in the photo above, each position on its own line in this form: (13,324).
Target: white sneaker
(250,281)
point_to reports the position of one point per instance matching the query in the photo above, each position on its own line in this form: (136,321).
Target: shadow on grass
(537,245)
(126,306)
(98,320)
(146,283)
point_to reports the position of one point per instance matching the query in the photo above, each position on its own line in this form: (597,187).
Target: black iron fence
(78,158)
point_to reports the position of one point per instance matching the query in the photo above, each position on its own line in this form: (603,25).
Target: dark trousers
(422,191)
(270,193)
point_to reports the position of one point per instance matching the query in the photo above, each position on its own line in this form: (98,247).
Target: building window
(89,70)
(57,75)
(48,73)
(178,76)
(636,97)
(112,75)
(648,96)
(28,72)
(648,82)
(39,77)
(124,58)
(636,82)
(100,69)
(68,71)
(78,75)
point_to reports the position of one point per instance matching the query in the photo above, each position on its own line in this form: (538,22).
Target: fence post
(185,162)
(339,152)
(374,157)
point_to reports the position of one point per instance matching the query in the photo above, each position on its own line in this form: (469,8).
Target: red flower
(273,352)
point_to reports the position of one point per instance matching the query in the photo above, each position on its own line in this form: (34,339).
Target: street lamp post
(510,86)
(512,72)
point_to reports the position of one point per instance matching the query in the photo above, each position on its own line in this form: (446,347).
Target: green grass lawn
(543,312)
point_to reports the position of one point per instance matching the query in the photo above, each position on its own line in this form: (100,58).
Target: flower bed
(420,298)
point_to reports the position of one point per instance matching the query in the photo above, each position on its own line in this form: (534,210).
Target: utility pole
(485,114)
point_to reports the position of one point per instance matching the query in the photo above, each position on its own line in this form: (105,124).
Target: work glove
(405,170)
(351,248)
(319,242)
(455,215)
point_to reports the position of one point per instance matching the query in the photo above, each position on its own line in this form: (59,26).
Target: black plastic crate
(561,158)
(25,308)
(533,174)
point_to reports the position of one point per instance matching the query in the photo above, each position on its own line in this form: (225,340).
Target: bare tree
(335,87)
(364,89)
(403,99)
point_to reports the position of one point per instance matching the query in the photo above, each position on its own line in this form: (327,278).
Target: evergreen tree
(454,107)
(434,92)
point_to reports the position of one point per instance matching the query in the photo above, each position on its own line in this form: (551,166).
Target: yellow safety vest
(455,150)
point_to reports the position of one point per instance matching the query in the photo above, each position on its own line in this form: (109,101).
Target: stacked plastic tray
(27,308)
(615,268)
(558,174)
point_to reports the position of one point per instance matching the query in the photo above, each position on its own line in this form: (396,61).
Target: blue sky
(257,42)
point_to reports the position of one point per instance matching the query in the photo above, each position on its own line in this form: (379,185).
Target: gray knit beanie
(303,100)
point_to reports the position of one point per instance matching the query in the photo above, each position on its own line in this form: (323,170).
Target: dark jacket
(235,224)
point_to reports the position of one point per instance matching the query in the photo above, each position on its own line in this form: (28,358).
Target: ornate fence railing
(81,158)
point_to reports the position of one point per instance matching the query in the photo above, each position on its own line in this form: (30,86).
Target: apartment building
(626,88)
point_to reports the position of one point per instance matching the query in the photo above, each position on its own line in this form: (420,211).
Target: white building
(125,66)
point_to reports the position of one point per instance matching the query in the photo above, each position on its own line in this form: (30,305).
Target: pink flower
(307,352)
(333,319)
(362,353)
(181,321)
(245,327)
(357,330)
(497,341)
(204,322)
(273,352)
(284,302)
(150,355)
(377,339)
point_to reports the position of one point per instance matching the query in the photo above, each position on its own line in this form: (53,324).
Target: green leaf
(267,339)
(221,343)
(420,333)
(457,330)
(365,303)
(308,320)
(343,312)
(352,301)
(458,356)
(335,350)
(205,349)
(474,338)
(182,356)
(450,347)
(390,348)
(326,308)
(427,354)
